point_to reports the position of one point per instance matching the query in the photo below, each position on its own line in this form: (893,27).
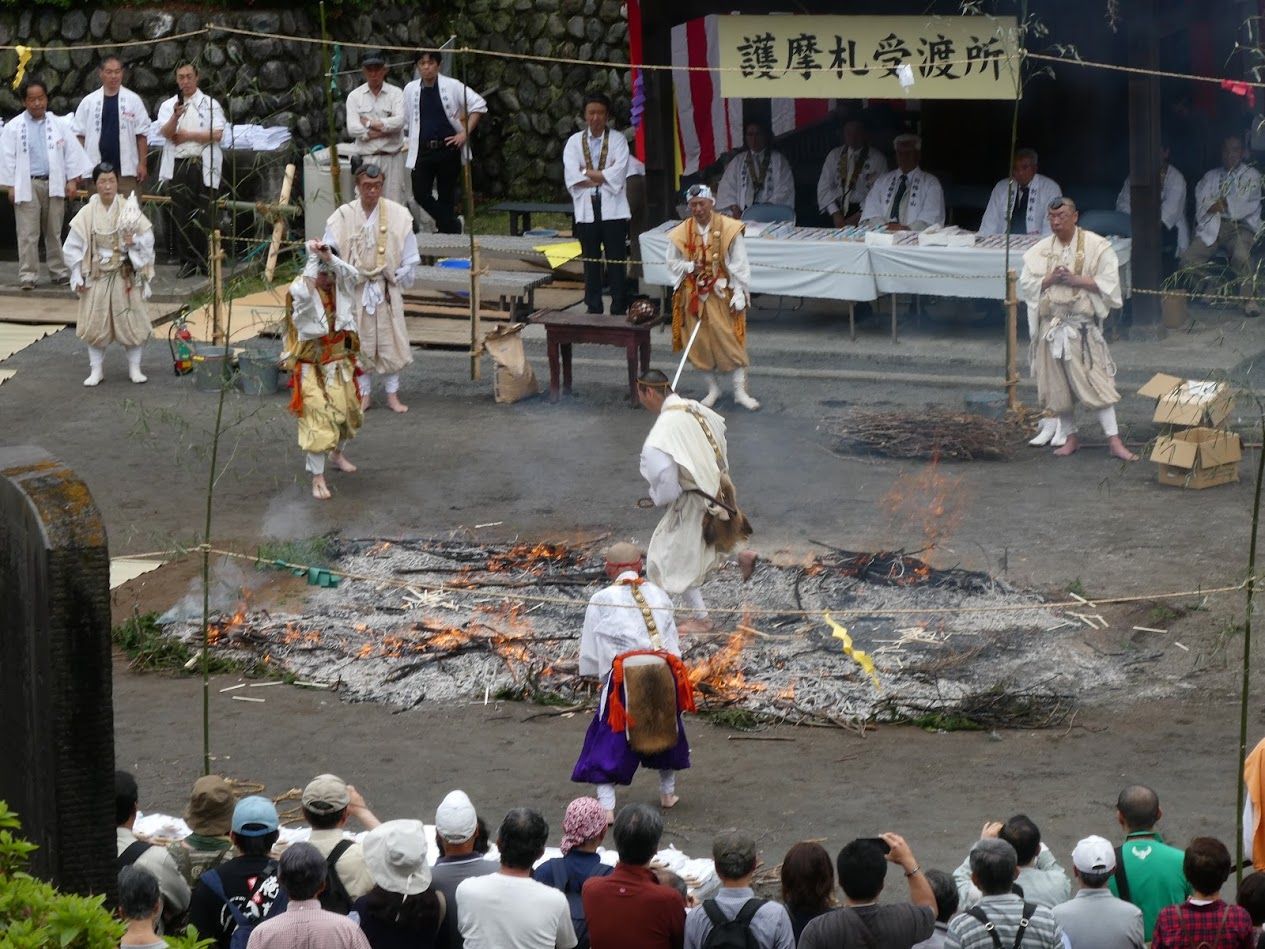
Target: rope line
(491,593)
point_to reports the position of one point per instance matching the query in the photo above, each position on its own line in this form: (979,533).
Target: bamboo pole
(335,170)
(1012,342)
(467,187)
(1245,690)
(218,335)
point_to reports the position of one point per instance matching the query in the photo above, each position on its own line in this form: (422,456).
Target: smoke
(230,584)
(288,518)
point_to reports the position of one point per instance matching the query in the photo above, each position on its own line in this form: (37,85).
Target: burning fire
(928,501)
(721,673)
(534,558)
(222,630)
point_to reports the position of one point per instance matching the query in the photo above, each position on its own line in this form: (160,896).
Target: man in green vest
(1148,871)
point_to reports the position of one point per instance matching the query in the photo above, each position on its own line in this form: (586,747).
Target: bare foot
(694,625)
(339,461)
(320,490)
(394,403)
(1073,443)
(668,801)
(1116,446)
(365,402)
(746,563)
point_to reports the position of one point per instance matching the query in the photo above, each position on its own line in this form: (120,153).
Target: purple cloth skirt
(607,758)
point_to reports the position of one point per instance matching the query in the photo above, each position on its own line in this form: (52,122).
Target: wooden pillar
(1144,161)
(659,115)
(56,701)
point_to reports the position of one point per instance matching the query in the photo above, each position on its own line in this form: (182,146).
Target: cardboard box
(1198,458)
(1188,402)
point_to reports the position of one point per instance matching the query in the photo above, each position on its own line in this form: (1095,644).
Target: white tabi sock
(315,462)
(606,795)
(96,363)
(741,396)
(391,383)
(364,384)
(667,781)
(713,390)
(693,599)
(134,373)
(1107,419)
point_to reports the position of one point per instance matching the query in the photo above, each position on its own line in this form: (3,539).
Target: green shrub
(34,915)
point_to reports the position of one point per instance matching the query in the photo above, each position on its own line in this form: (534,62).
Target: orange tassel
(296,390)
(678,321)
(740,328)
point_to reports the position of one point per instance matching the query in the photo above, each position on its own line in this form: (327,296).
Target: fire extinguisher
(180,340)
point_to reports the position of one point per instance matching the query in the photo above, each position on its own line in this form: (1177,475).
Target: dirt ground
(541,471)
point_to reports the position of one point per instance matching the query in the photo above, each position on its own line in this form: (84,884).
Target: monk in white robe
(711,279)
(321,348)
(848,174)
(375,236)
(110,254)
(685,453)
(1071,282)
(630,615)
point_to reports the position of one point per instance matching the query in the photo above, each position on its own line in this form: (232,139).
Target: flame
(722,672)
(788,693)
(222,630)
(534,558)
(928,501)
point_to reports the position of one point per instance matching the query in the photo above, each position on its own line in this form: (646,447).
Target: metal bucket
(258,373)
(212,370)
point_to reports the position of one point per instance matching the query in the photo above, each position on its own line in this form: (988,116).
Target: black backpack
(732,933)
(335,897)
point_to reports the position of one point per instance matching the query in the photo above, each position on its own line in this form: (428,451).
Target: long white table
(854,271)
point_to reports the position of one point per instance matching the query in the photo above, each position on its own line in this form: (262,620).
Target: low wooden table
(525,209)
(564,329)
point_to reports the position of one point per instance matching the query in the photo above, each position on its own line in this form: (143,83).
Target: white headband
(695,192)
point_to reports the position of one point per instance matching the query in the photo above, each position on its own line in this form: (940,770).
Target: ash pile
(437,620)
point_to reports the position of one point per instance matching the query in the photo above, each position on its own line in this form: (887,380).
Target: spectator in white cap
(328,803)
(403,908)
(457,832)
(1093,918)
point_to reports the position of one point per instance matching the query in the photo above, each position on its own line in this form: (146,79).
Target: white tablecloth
(975,272)
(851,270)
(827,270)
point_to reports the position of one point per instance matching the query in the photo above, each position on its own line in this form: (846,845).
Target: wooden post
(279,226)
(467,182)
(1012,342)
(1144,163)
(218,336)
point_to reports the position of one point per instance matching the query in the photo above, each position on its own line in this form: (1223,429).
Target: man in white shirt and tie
(906,198)
(1227,217)
(192,124)
(375,119)
(41,163)
(112,124)
(848,173)
(594,169)
(1028,196)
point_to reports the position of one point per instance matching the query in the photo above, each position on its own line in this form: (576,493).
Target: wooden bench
(514,289)
(491,246)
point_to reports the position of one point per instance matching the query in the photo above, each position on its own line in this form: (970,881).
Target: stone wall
(533,104)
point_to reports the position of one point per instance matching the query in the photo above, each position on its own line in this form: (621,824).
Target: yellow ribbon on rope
(856,655)
(24,57)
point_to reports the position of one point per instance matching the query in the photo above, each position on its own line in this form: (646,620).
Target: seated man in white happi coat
(848,173)
(756,175)
(1228,217)
(1070,283)
(1020,204)
(678,460)
(906,198)
(375,235)
(1176,231)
